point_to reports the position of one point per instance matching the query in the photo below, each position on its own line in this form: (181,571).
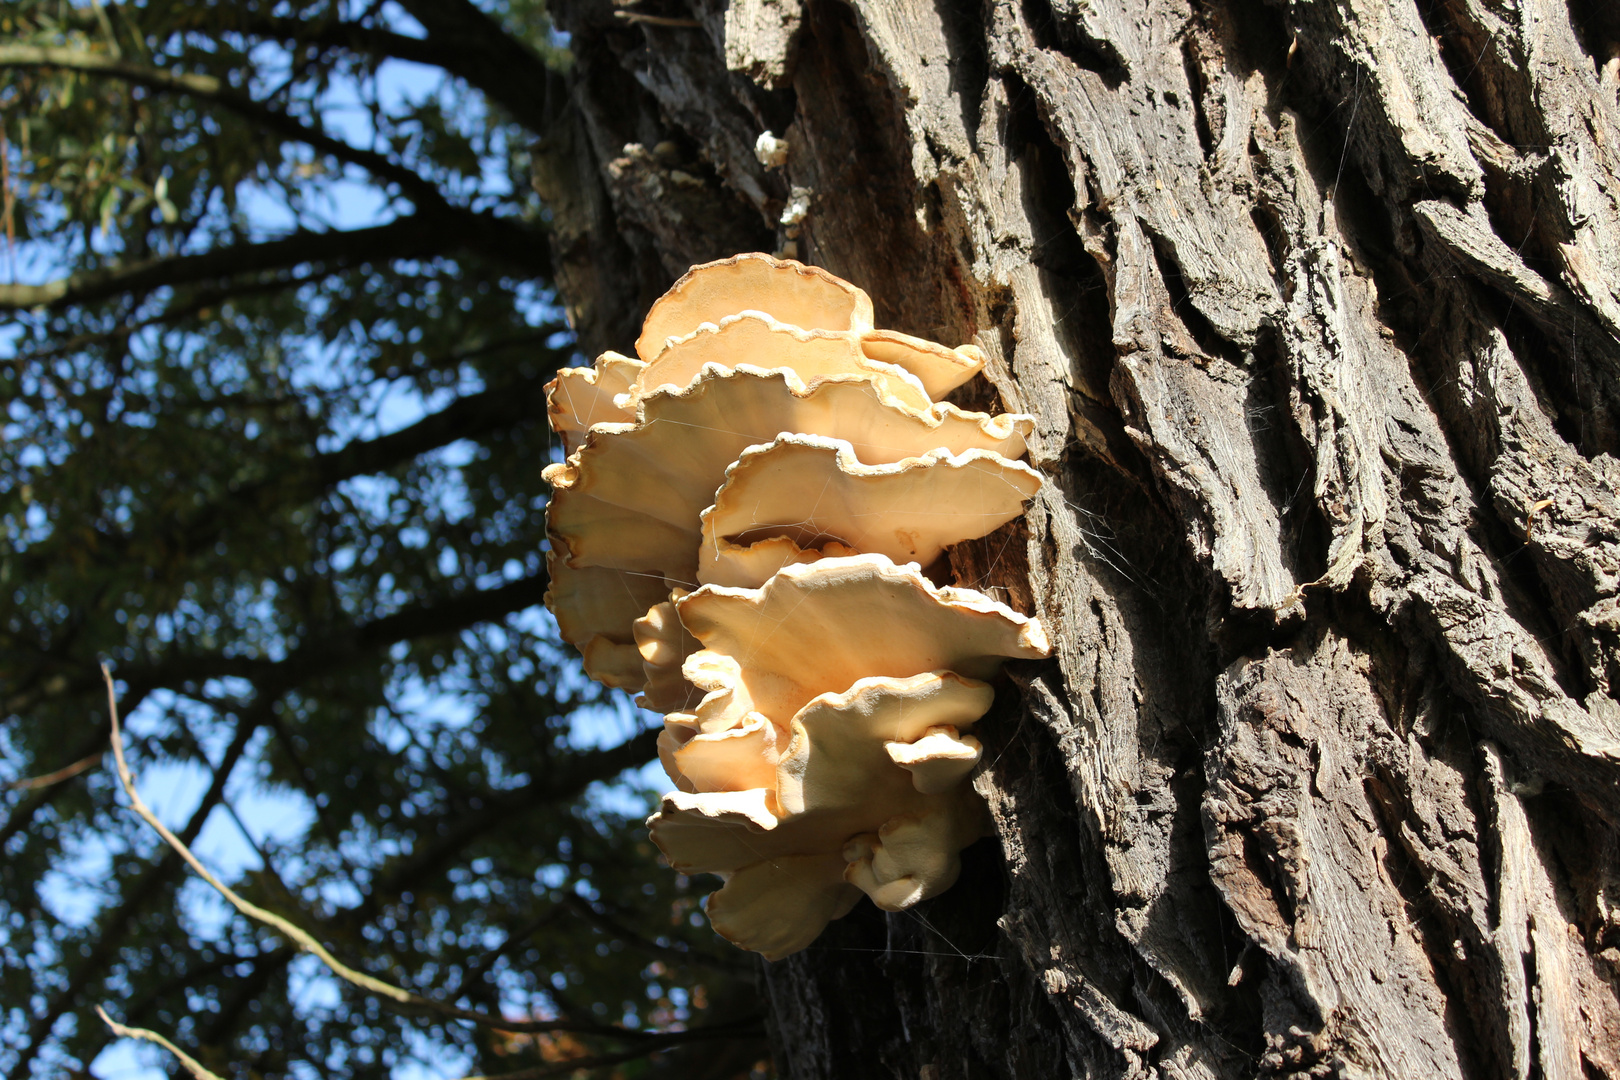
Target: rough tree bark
(1316,305)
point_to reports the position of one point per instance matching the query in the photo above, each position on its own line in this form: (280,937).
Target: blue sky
(257,814)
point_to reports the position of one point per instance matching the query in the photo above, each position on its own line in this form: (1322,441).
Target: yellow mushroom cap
(755,338)
(810,489)
(856,617)
(832,780)
(803,296)
(579,398)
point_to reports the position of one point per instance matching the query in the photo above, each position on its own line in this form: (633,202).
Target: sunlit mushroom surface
(739,530)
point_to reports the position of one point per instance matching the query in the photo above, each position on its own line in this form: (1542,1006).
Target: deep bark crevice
(1057,25)
(1452,944)
(969,60)
(1182,306)
(1253,35)
(1306,532)
(1529,595)
(1598,24)
(1202,104)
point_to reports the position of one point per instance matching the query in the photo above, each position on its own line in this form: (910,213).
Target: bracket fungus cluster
(739,533)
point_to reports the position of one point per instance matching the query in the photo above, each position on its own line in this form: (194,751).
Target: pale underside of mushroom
(861,752)
(744,566)
(779,906)
(663,645)
(631,497)
(596,610)
(663,470)
(801,491)
(876,711)
(859,616)
(939,760)
(834,783)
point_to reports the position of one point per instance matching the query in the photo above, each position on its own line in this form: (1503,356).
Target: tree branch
(422,235)
(457,227)
(463,41)
(115,923)
(495,409)
(193,305)
(336,33)
(452,833)
(400,998)
(588,910)
(469,417)
(331,647)
(423,192)
(67,772)
(478,50)
(334,646)
(417,236)
(22,815)
(192,1065)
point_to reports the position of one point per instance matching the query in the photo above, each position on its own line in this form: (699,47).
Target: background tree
(279,319)
(1316,307)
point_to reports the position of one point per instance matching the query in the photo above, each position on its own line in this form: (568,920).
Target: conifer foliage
(277,320)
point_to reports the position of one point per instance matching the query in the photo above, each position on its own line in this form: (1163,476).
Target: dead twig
(66,772)
(399,997)
(253,911)
(656,20)
(193,1066)
(196,1069)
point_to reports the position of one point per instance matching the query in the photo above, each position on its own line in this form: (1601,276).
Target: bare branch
(570,1066)
(246,907)
(423,192)
(22,815)
(401,998)
(462,41)
(657,20)
(67,772)
(121,920)
(478,50)
(402,238)
(193,1066)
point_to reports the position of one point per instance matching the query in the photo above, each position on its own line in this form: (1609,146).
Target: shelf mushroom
(738,530)
(859,753)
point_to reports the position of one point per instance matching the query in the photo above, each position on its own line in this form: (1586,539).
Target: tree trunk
(1315,306)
